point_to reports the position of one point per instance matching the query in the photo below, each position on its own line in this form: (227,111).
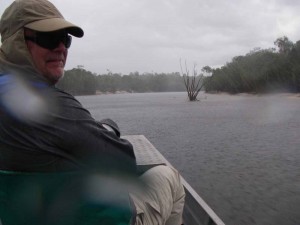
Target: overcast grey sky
(153,35)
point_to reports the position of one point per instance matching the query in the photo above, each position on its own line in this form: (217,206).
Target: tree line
(79,81)
(259,71)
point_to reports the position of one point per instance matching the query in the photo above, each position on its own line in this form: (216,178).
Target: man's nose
(61,47)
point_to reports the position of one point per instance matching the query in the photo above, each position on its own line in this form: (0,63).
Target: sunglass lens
(52,40)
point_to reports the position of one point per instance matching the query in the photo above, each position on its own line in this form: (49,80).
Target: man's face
(50,63)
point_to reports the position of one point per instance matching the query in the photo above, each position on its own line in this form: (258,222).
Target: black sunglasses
(50,40)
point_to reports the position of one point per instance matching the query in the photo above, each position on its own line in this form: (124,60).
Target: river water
(241,153)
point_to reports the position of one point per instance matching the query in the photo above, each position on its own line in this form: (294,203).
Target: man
(43,129)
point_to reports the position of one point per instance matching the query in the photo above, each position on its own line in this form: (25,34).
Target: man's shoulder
(59,93)
(66,101)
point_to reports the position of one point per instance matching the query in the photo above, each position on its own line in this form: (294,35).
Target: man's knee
(165,175)
(163,189)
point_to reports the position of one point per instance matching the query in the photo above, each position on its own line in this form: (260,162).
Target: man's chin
(55,77)
(61,76)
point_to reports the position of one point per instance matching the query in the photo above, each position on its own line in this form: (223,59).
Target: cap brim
(54,24)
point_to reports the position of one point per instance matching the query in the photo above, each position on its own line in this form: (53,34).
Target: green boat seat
(62,199)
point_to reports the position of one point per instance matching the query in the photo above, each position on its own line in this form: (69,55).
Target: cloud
(153,35)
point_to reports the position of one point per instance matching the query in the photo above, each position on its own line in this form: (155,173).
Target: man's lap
(161,199)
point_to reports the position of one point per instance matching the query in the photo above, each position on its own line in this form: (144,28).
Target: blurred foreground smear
(66,198)
(26,102)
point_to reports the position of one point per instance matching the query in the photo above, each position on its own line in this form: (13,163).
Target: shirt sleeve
(87,142)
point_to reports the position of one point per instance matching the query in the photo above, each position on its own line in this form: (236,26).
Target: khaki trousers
(161,200)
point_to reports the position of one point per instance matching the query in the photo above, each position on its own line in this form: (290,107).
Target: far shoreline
(281,94)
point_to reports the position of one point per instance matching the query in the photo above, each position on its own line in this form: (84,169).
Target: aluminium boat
(196,210)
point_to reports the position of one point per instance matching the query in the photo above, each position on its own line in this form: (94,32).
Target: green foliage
(81,82)
(78,82)
(261,70)
(284,45)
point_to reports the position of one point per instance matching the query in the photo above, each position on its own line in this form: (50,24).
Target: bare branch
(193,83)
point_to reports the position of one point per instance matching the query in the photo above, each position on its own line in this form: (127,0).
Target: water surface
(239,152)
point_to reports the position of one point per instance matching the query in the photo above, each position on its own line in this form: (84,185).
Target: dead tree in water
(193,83)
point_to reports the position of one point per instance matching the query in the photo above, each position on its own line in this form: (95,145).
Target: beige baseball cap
(38,15)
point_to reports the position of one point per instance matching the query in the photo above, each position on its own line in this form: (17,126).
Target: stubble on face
(49,63)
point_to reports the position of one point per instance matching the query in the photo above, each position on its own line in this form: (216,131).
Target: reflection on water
(240,152)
